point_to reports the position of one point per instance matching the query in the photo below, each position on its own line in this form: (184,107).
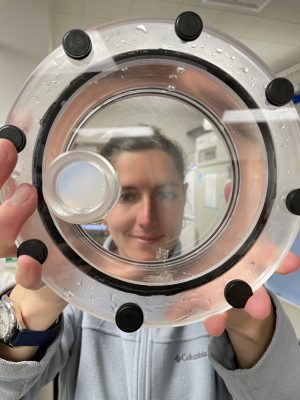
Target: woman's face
(148,217)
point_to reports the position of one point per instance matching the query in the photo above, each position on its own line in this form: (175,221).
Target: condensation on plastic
(56,72)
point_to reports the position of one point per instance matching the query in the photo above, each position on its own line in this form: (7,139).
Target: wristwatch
(13,334)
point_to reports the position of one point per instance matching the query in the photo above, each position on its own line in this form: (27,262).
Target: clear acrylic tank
(222,214)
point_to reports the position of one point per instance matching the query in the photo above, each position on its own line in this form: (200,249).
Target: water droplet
(172,76)
(193,45)
(69,294)
(141,28)
(114,301)
(219,51)
(126,42)
(233,57)
(213,53)
(245,69)
(16,174)
(180,70)
(79,283)
(202,46)
(45,86)
(171,88)
(162,254)
(206,304)
(287,172)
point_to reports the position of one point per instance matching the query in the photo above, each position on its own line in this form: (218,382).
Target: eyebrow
(164,185)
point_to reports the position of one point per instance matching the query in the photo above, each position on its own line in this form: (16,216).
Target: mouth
(143,239)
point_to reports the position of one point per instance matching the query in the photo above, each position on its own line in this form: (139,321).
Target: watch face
(4,322)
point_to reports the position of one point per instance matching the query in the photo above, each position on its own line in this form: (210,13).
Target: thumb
(259,306)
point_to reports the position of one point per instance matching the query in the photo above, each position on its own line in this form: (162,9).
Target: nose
(146,212)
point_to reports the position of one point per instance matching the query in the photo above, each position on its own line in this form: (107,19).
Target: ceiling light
(250,5)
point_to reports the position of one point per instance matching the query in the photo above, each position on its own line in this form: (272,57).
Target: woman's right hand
(38,305)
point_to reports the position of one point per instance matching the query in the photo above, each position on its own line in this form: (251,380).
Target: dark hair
(157,140)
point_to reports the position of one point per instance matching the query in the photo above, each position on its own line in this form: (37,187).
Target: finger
(13,214)
(29,273)
(259,306)
(216,324)
(8,159)
(289,264)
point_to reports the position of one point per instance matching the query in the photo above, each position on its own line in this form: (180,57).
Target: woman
(148,217)
(97,361)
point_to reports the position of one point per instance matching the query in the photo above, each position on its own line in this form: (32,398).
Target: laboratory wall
(24,41)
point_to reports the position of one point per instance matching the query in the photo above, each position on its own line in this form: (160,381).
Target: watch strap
(27,337)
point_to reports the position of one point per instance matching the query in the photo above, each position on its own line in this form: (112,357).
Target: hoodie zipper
(143,365)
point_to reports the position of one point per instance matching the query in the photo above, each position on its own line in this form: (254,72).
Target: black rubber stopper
(129,317)
(188,26)
(77,44)
(15,135)
(292,201)
(237,293)
(34,248)
(279,91)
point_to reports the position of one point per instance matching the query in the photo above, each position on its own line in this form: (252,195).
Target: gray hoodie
(95,360)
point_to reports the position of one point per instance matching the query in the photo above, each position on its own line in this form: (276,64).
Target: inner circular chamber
(207,172)
(223,186)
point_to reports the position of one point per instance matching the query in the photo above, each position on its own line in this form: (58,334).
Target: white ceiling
(273,34)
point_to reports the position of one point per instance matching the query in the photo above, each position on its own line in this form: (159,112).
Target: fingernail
(21,195)
(3,152)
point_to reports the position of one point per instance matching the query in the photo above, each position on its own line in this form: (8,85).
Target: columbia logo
(189,356)
(178,358)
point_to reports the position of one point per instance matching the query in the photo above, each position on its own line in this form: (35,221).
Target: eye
(166,195)
(128,197)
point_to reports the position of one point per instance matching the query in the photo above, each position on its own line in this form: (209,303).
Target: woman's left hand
(251,329)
